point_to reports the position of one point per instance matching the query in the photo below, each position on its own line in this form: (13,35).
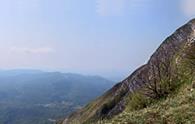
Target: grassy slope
(176,104)
(177,108)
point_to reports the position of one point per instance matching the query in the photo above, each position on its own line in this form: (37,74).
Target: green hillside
(178,108)
(160,92)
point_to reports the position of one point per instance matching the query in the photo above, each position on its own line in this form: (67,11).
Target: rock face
(149,75)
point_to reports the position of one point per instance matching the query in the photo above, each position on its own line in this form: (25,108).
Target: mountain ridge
(150,78)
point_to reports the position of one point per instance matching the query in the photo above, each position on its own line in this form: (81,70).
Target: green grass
(178,107)
(175,109)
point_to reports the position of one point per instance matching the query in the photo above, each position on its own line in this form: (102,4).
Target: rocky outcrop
(149,75)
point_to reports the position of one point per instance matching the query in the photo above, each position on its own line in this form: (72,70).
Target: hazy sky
(105,37)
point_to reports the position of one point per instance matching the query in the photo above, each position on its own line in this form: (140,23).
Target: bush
(138,101)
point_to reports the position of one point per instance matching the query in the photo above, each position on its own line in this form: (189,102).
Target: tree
(159,77)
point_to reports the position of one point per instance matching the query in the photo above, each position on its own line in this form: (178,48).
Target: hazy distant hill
(36,97)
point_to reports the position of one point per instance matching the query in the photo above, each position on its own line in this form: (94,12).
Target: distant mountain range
(37,97)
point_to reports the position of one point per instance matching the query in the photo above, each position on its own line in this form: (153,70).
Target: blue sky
(104,37)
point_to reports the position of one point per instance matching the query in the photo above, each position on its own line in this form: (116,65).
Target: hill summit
(161,91)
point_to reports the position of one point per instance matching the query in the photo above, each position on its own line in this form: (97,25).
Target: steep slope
(177,108)
(168,68)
